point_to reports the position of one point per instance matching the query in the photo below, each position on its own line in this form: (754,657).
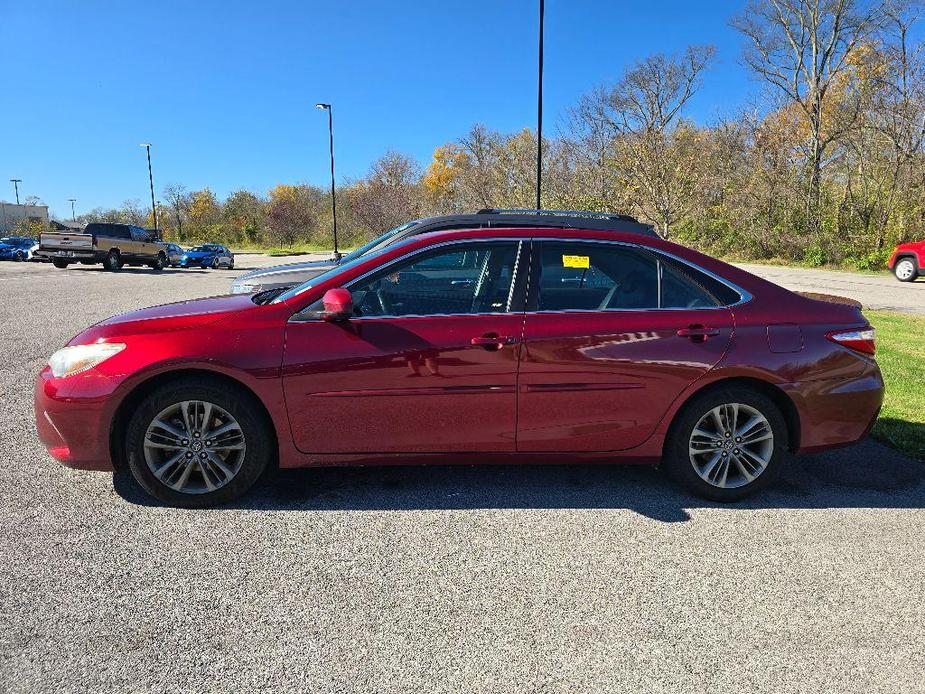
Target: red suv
(908,261)
(510,344)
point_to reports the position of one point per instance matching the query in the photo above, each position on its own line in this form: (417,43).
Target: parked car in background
(499,344)
(908,261)
(113,245)
(289,275)
(208,255)
(17,248)
(174,253)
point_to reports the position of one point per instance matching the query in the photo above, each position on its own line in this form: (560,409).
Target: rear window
(111,231)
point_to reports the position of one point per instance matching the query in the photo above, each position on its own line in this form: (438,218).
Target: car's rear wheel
(197,444)
(727,443)
(905,270)
(59,263)
(159,262)
(113,261)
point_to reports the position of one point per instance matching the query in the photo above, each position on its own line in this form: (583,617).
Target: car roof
(574,219)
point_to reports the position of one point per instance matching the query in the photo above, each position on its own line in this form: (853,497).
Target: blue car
(207,255)
(17,248)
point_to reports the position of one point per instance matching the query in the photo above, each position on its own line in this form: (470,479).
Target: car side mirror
(338,305)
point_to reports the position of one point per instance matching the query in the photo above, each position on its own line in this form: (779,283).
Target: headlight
(74,360)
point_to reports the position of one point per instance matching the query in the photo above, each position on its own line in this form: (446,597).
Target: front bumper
(74,423)
(195,262)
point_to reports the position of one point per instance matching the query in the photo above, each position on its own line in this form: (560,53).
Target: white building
(11,213)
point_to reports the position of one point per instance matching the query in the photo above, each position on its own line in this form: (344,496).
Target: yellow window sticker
(579,261)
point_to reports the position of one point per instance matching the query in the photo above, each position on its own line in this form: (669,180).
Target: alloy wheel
(731,445)
(904,269)
(194,447)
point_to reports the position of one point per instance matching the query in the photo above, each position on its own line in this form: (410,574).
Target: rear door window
(595,277)
(582,276)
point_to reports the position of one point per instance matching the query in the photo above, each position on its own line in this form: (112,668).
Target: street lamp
(72,201)
(330,110)
(539,115)
(16,182)
(147,146)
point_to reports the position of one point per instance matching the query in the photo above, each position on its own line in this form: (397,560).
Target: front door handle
(492,341)
(698,333)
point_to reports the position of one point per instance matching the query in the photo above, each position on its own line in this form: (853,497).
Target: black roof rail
(558,213)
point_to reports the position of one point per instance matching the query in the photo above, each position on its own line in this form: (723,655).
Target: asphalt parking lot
(468,579)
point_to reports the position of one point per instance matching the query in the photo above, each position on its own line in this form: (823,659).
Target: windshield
(367,247)
(325,276)
(203,249)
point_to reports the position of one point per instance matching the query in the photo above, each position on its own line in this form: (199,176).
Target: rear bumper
(70,255)
(75,430)
(836,413)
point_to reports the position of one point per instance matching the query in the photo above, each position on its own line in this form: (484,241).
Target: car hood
(178,316)
(279,275)
(199,254)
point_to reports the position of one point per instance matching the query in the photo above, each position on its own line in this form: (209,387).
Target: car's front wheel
(20,256)
(198,443)
(727,443)
(905,270)
(159,262)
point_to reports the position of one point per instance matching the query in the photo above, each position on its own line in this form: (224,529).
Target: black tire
(678,461)
(235,401)
(215,263)
(19,257)
(159,262)
(59,263)
(113,261)
(906,269)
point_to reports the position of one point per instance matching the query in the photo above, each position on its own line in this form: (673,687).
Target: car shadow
(869,475)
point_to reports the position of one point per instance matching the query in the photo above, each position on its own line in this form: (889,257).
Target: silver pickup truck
(113,245)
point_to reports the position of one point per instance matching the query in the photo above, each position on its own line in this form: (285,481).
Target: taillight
(859,340)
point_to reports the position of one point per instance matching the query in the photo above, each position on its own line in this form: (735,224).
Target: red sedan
(525,345)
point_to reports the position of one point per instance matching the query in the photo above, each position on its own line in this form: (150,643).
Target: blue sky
(225,90)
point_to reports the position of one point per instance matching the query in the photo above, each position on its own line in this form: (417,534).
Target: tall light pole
(147,146)
(330,110)
(539,115)
(16,182)
(72,201)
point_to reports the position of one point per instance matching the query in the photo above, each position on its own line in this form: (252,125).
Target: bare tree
(178,198)
(802,49)
(390,195)
(655,150)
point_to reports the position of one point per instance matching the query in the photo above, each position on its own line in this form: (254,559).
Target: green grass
(901,355)
(295,249)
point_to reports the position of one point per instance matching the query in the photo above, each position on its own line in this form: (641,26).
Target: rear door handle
(698,333)
(492,341)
